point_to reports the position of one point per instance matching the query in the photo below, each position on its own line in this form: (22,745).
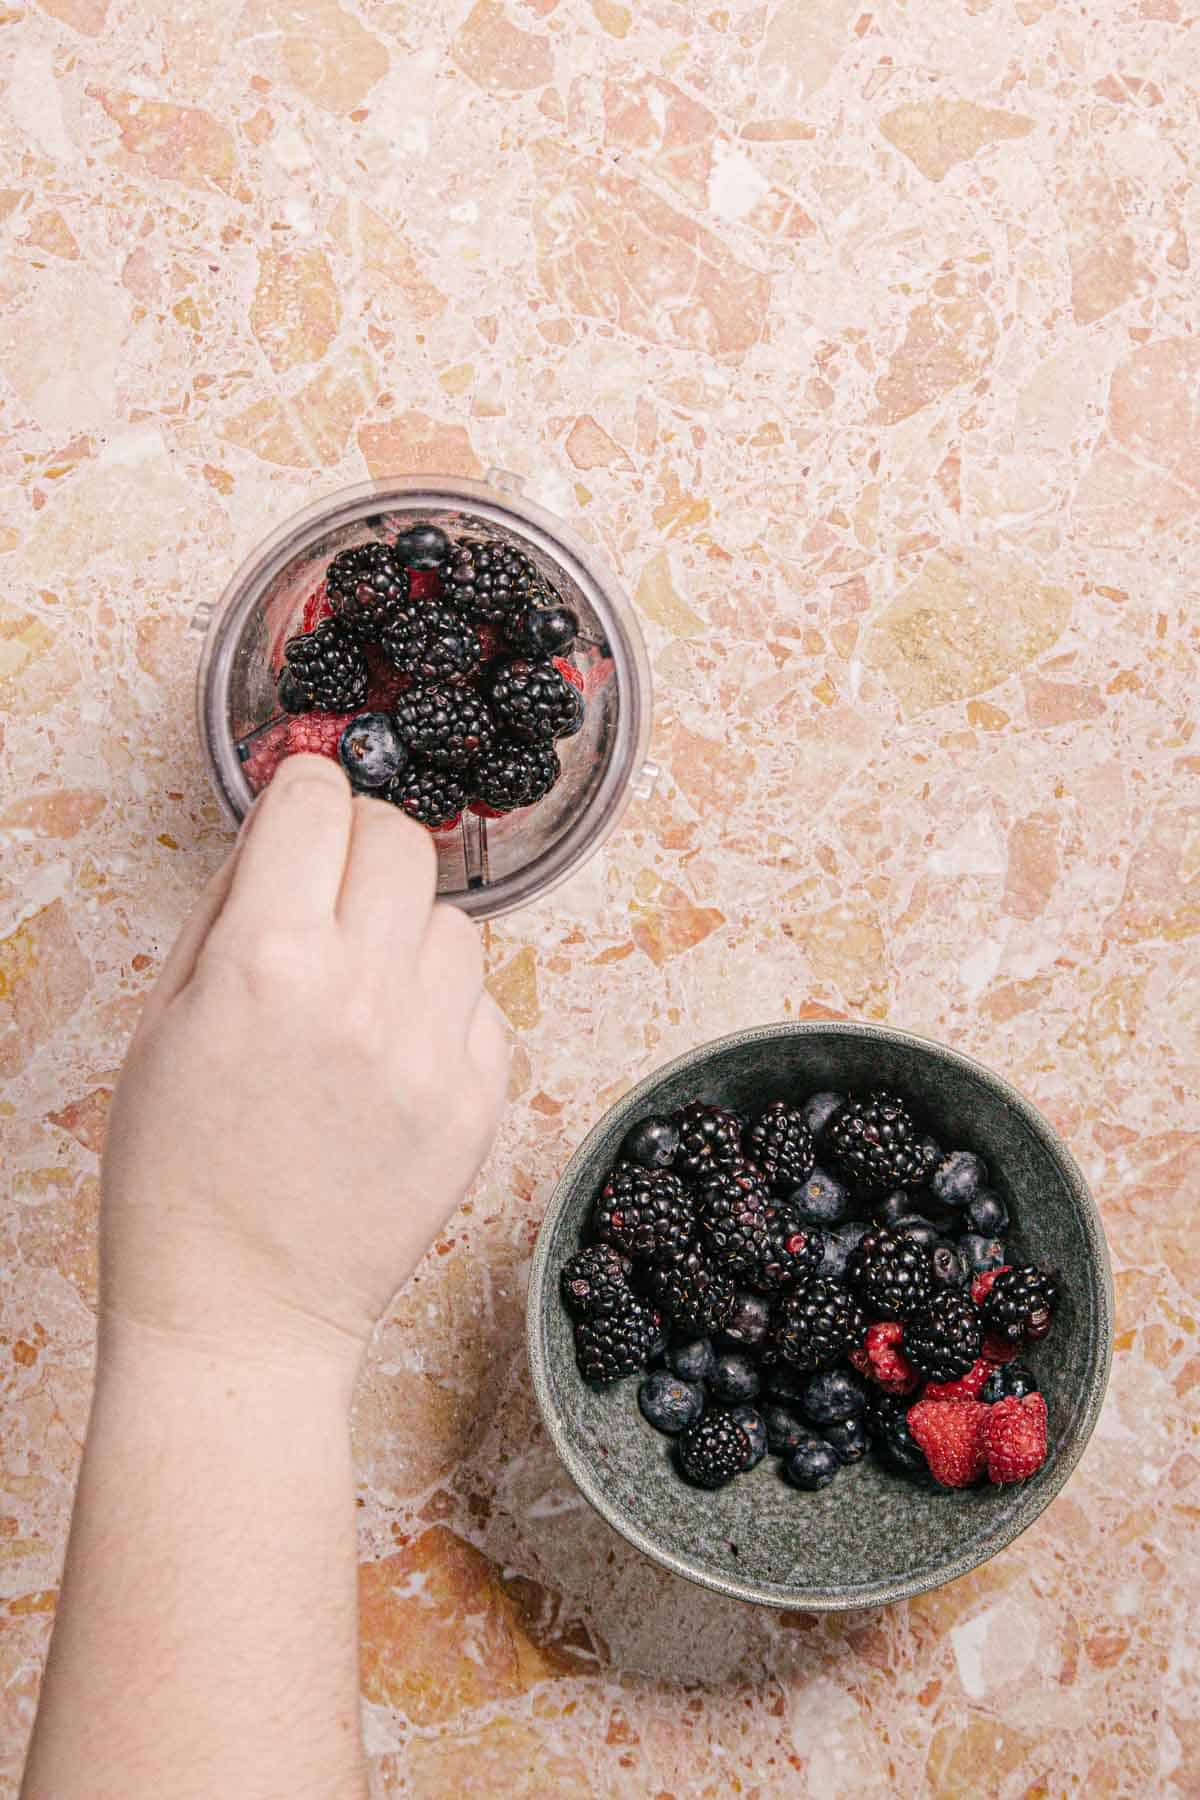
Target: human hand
(317,1077)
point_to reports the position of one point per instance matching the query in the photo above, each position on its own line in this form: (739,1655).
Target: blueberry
(820,1200)
(818,1109)
(669,1404)
(848,1437)
(812,1464)
(652,1143)
(831,1395)
(749,1322)
(920,1231)
(423,547)
(691,1361)
(549,630)
(734,1378)
(986,1214)
(785,1383)
(751,1422)
(894,1207)
(958,1178)
(370,750)
(1012,1382)
(983,1253)
(948,1265)
(785,1427)
(839,1246)
(899,1451)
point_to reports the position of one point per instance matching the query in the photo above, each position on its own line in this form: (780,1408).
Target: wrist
(256,1360)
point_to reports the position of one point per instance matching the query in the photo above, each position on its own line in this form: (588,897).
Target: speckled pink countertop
(863,340)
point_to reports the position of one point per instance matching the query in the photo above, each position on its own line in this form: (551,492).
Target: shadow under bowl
(870,1537)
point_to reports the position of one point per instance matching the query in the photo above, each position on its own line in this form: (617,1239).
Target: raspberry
(423,584)
(262,754)
(316,733)
(982,1285)
(882,1359)
(950,1432)
(967,1387)
(316,608)
(1014,1438)
(570,673)
(482,810)
(386,683)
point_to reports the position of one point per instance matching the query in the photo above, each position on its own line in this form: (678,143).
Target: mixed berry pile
(820,1312)
(436,673)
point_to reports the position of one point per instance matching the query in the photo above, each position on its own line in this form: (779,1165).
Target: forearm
(206,1639)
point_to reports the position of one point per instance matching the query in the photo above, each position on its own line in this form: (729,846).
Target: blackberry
(534,702)
(325,670)
(365,586)
(692,1360)
(652,1142)
(542,631)
(811,1464)
(875,1143)
(510,775)
(848,1439)
(422,547)
(448,726)
(780,1144)
(430,796)
(645,1213)
(786,1250)
(668,1403)
(890,1274)
(816,1323)
(948,1265)
(431,642)
(1020,1304)
(370,751)
(713,1451)
(730,1214)
(595,1282)
(1012,1381)
(944,1339)
(698,1297)
(710,1137)
(883,1409)
(614,1344)
(491,581)
(735,1378)
(755,1431)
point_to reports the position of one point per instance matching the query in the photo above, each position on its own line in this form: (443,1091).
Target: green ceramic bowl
(870,1537)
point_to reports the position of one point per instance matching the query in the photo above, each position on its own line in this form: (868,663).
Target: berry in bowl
(820,1316)
(463,657)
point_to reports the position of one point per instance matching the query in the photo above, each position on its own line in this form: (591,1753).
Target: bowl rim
(542,1292)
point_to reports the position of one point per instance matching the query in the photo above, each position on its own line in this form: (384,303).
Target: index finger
(291,863)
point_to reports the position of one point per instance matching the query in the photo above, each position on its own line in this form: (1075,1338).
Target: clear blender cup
(485,865)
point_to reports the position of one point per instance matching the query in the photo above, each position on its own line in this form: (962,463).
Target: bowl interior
(870,1536)
(494,863)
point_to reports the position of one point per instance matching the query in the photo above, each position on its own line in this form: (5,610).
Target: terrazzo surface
(862,340)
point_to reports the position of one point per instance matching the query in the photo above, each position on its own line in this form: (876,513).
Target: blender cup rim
(511,511)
